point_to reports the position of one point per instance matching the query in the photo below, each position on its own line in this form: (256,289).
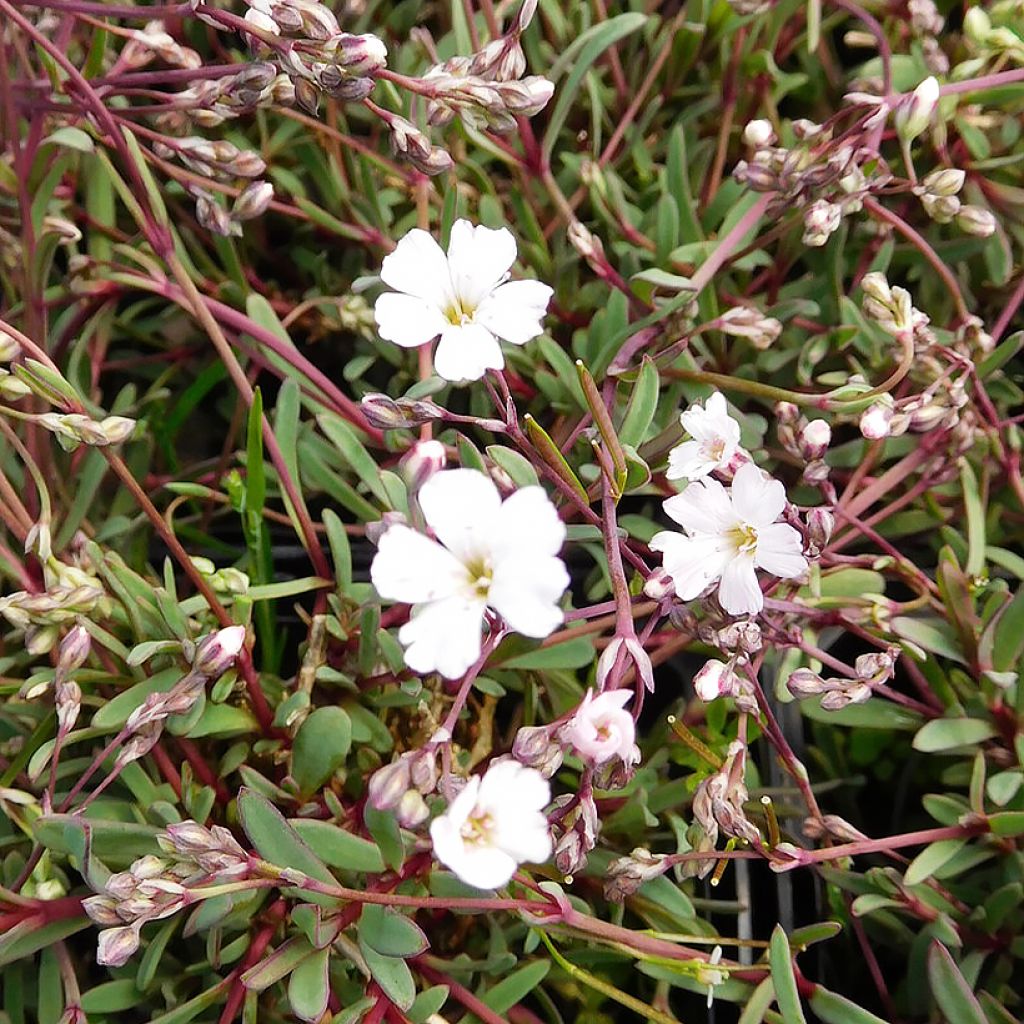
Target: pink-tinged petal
(687,461)
(525,591)
(703,507)
(739,593)
(780,551)
(527,524)
(412,568)
(479,258)
(460,506)
(515,310)
(467,352)
(694,563)
(407,320)
(443,636)
(758,499)
(418,266)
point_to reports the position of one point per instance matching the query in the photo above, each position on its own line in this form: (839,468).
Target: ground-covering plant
(511,511)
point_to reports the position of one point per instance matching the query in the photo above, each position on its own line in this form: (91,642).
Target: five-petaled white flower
(602,728)
(495,824)
(464,297)
(715,441)
(728,536)
(489,553)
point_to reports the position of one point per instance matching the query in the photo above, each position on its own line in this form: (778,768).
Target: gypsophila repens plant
(511,511)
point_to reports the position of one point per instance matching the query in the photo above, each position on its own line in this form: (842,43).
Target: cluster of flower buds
(938,407)
(838,692)
(804,439)
(216,159)
(928,24)
(825,181)
(204,851)
(150,890)
(413,145)
(223,581)
(209,102)
(402,785)
(251,203)
(399,414)
(892,308)
(625,875)
(995,30)
(73,429)
(746,322)
(938,193)
(575,818)
(151,42)
(71,593)
(487,89)
(718,802)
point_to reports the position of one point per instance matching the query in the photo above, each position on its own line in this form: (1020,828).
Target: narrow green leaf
(787,995)
(951,991)
(950,733)
(643,403)
(255,471)
(341,550)
(974,511)
(931,859)
(517,986)
(338,848)
(836,1009)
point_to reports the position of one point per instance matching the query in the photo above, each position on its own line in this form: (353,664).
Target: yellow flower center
(744,539)
(458,314)
(480,576)
(477,829)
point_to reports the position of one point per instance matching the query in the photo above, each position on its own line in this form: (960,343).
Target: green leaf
(111,997)
(187,1011)
(876,714)
(383,826)
(974,510)
(1007,823)
(950,733)
(786,994)
(836,1009)
(20,942)
(70,138)
(359,460)
(341,550)
(576,653)
(509,991)
(338,848)
(643,403)
(390,933)
(309,988)
(932,634)
(277,842)
(255,471)
(427,1003)
(950,989)
(392,974)
(517,466)
(758,1003)
(321,746)
(931,859)
(278,965)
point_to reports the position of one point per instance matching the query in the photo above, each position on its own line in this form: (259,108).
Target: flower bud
(101,910)
(570,856)
(787,412)
(805,129)
(388,785)
(814,439)
(876,421)
(821,220)
(758,133)
(536,747)
(421,462)
(820,524)
(875,667)
(977,25)
(358,55)
(217,652)
(388,414)
(715,679)
(805,683)
(756,176)
(412,809)
(946,181)
(116,945)
(68,702)
(914,114)
(528,96)
(625,875)
(659,585)
(941,209)
(423,770)
(253,202)
(836,700)
(213,217)
(116,429)
(976,220)
(9,348)
(74,649)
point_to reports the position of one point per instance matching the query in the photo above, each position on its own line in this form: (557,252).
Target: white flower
(465,297)
(709,976)
(729,535)
(716,439)
(715,679)
(602,728)
(495,824)
(489,553)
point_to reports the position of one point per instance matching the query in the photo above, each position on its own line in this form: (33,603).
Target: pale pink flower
(715,441)
(602,728)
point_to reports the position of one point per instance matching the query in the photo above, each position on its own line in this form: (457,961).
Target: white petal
(687,461)
(693,562)
(479,258)
(407,320)
(527,523)
(739,593)
(509,784)
(780,551)
(443,636)
(515,310)
(702,507)
(483,867)
(525,837)
(412,568)
(467,352)
(464,803)
(525,592)
(460,506)
(418,266)
(758,500)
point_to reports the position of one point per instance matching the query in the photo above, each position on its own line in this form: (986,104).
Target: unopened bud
(820,524)
(836,700)
(946,181)
(821,220)
(745,322)
(625,875)
(217,652)
(715,679)
(758,133)
(805,683)
(9,348)
(941,209)
(914,114)
(976,220)
(875,667)
(68,702)
(659,585)
(358,55)
(116,429)
(423,770)
(74,649)
(253,202)
(389,784)
(388,414)
(814,439)
(528,96)
(412,809)
(213,217)
(116,945)
(421,462)
(876,421)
